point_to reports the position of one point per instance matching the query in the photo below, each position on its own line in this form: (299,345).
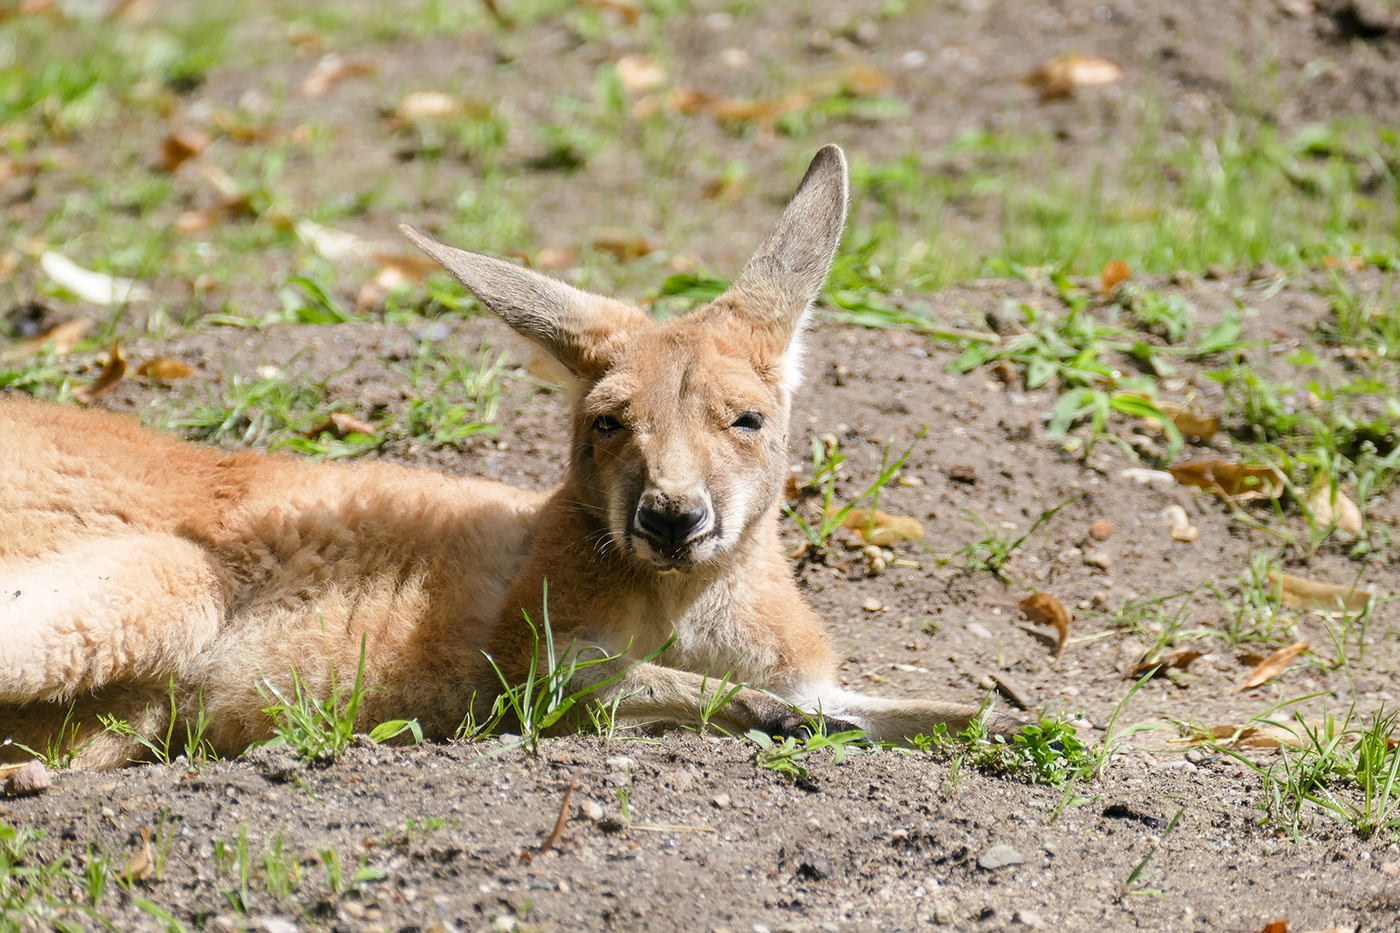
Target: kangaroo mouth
(681,556)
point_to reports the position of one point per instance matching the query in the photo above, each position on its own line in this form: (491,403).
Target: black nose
(669,529)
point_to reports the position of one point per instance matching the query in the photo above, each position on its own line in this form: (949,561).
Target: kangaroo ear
(581,330)
(778,284)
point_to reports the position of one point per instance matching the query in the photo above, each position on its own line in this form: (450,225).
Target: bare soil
(882,841)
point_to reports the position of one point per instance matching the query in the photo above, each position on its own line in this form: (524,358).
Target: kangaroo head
(680,427)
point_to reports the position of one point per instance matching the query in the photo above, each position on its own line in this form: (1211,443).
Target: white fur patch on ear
(795,356)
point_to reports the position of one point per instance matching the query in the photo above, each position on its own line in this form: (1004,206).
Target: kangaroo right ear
(581,330)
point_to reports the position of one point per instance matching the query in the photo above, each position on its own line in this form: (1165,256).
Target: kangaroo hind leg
(131,609)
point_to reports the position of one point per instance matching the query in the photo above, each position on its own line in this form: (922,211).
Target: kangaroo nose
(669,528)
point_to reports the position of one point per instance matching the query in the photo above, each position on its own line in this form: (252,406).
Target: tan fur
(132,563)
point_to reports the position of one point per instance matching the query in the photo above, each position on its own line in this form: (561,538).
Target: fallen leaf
(1320,597)
(1045,609)
(1115,272)
(142,863)
(164,369)
(1189,421)
(1062,75)
(242,133)
(556,259)
(639,73)
(1178,525)
(64,337)
(192,223)
(329,243)
(1176,660)
(622,245)
(1272,666)
(330,71)
(94,287)
(341,424)
(233,199)
(1342,511)
(427,105)
(111,374)
(181,146)
(881,528)
(1234,481)
(629,10)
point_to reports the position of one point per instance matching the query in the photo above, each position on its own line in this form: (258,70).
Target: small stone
(591,809)
(872,605)
(31,778)
(942,912)
(619,763)
(986,683)
(1000,856)
(978,629)
(1100,531)
(1030,919)
(720,800)
(617,778)
(1100,560)
(680,781)
(1390,868)
(272,925)
(353,909)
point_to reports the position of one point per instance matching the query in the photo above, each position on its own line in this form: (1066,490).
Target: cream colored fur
(132,562)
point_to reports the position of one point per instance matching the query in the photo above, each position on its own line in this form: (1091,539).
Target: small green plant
(62,746)
(786,757)
(1136,874)
(547,695)
(825,466)
(991,552)
(320,731)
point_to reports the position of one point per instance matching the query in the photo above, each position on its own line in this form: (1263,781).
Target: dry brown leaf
(427,105)
(1235,481)
(1178,660)
(1115,272)
(193,223)
(622,244)
(1189,421)
(94,287)
(556,259)
(341,424)
(756,111)
(639,73)
(1272,666)
(242,133)
(233,200)
(629,10)
(1321,597)
(329,243)
(1343,511)
(330,71)
(881,528)
(1265,733)
(1045,609)
(111,374)
(1062,75)
(181,146)
(164,369)
(142,863)
(64,337)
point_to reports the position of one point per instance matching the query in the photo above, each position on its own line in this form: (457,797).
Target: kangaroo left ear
(583,331)
(779,283)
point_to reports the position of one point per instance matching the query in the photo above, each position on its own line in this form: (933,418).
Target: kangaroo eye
(748,421)
(606,424)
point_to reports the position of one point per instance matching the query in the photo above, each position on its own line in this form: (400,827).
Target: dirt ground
(686,831)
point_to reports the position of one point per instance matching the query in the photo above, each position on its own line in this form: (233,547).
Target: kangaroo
(144,578)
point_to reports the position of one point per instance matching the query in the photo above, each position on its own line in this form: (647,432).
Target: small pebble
(1030,919)
(976,628)
(1000,856)
(1099,531)
(872,605)
(31,778)
(591,809)
(1099,559)
(721,800)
